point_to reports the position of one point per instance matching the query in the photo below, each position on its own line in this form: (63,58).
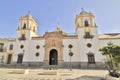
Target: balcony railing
(22,38)
(88,36)
(2,50)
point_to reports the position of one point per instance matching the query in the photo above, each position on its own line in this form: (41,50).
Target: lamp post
(22,56)
(105,62)
(70,54)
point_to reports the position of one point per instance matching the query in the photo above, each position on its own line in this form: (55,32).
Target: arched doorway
(53,57)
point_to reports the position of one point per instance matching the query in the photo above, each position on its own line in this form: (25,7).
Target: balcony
(22,38)
(88,36)
(2,50)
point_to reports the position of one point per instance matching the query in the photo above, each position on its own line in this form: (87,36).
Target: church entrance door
(53,57)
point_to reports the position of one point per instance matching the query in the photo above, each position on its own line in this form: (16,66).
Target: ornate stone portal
(53,48)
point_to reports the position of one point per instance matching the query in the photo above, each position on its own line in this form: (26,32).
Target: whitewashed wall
(33,51)
(75,50)
(83,46)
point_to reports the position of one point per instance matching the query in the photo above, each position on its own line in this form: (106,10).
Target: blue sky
(50,13)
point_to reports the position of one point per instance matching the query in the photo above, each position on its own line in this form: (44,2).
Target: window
(91,59)
(23,35)
(88,35)
(24,26)
(11,47)
(20,58)
(86,23)
(89,45)
(37,54)
(70,46)
(37,47)
(1,47)
(22,46)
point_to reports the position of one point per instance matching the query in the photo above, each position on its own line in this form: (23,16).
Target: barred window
(11,47)
(91,59)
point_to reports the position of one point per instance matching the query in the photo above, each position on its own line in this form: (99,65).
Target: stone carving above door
(53,40)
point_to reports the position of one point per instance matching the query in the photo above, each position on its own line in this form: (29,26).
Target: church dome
(28,15)
(83,12)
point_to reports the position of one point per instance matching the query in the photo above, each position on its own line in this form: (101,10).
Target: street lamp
(70,54)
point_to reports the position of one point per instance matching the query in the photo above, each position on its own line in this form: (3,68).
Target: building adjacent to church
(28,48)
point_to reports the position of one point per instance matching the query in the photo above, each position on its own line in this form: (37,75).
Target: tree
(113,53)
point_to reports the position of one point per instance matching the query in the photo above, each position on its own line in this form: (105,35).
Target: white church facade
(53,48)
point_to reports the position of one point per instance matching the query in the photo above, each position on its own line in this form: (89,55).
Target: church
(57,48)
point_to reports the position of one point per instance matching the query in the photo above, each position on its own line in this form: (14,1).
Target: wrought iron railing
(2,50)
(22,38)
(88,36)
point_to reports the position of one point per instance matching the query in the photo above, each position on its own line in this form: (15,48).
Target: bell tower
(27,27)
(85,25)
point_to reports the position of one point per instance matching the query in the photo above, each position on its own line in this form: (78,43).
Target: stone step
(52,67)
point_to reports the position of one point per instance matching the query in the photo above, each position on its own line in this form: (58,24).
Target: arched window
(24,26)
(86,23)
(11,47)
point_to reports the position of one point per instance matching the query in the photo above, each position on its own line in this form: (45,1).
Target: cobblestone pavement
(64,74)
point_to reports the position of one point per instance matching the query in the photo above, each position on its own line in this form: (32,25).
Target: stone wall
(98,65)
(79,65)
(27,64)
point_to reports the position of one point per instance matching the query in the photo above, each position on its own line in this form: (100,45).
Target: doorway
(9,58)
(53,57)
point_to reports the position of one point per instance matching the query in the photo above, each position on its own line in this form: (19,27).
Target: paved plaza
(59,74)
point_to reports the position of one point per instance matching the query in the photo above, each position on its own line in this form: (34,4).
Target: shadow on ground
(88,78)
